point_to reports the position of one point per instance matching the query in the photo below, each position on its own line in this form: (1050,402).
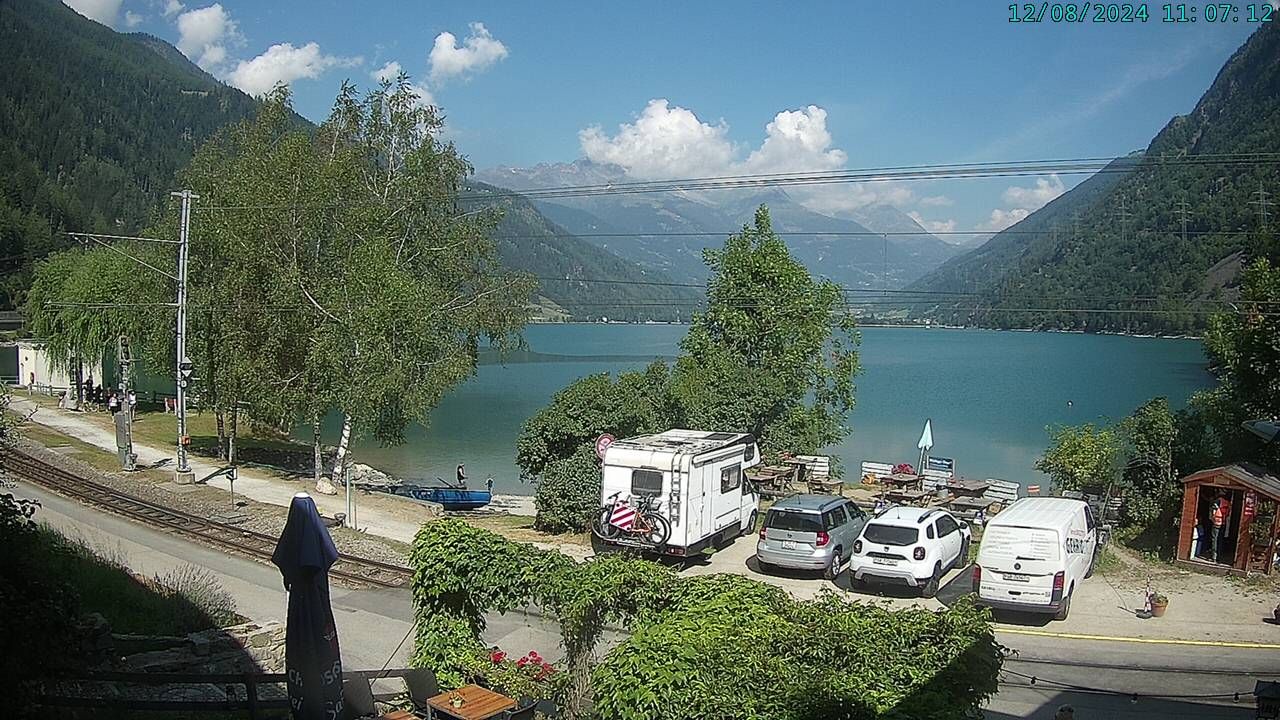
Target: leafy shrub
(199,601)
(37,609)
(568,498)
(717,646)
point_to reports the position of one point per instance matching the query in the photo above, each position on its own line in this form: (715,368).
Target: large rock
(369,477)
(324,487)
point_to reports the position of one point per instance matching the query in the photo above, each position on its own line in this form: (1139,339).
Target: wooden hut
(1249,543)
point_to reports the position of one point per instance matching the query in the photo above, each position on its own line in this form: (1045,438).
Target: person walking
(462,475)
(113,403)
(488,482)
(133,405)
(1219,517)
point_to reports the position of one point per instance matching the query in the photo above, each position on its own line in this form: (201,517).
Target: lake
(991,395)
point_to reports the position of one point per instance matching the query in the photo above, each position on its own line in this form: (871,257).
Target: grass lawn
(103,585)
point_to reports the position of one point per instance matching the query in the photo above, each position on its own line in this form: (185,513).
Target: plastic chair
(422,686)
(357,699)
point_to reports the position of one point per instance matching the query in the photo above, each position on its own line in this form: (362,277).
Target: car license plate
(884,561)
(1016,577)
(788,544)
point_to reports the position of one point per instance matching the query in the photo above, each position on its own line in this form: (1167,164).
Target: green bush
(716,646)
(568,497)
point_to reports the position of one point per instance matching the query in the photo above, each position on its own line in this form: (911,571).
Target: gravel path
(210,502)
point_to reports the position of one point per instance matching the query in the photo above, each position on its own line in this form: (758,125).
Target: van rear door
(1019,564)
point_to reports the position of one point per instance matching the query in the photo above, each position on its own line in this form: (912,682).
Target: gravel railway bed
(349,568)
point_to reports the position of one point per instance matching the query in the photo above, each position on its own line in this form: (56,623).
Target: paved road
(373,623)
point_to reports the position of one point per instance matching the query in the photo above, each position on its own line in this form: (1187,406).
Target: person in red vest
(1219,517)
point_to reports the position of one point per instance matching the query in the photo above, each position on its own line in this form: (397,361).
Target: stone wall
(248,647)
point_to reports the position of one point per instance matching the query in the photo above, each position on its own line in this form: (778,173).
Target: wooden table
(970,503)
(907,496)
(968,488)
(477,703)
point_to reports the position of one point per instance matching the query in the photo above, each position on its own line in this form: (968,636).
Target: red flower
(522,662)
(498,656)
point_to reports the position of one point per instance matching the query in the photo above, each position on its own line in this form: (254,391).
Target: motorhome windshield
(794,521)
(890,534)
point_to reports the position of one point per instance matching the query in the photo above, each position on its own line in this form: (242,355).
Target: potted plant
(1159,603)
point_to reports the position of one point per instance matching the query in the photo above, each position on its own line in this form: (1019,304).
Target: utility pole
(1184,211)
(183,474)
(1123,215)
(1263,202)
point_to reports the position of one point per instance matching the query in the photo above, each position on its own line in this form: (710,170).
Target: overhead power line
(882,174)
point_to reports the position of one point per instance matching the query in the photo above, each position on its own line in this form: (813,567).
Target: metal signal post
(183,474)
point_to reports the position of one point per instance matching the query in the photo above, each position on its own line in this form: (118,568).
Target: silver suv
(809,532)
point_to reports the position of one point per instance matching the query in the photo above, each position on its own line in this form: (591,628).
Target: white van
(694,480)
(1034,553)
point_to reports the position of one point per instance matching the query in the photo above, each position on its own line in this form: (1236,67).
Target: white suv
(910,546)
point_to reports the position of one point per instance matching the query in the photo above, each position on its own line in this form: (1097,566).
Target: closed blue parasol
(304,554)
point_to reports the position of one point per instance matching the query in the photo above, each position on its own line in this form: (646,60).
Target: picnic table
(968,488)
(901,480)
(478,703)
(907,497)
(970,503)
(772,480)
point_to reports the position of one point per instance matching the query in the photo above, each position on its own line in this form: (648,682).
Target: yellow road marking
(1149,641)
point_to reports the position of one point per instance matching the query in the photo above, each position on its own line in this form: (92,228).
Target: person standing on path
(113,403)
(462,476)
(489,484)
(1219,516)
(133,405)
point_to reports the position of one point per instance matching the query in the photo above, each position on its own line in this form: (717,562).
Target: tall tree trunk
(317,454)
(344,445)
(220,418)
(79,393)
(231,436)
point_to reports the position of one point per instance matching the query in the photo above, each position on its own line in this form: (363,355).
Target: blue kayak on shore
(447,497)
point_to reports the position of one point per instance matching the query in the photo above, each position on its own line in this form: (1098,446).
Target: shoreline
(908,326)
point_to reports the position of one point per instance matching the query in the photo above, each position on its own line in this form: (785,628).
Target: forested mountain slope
(93,127)
(1128,241)
(527,240)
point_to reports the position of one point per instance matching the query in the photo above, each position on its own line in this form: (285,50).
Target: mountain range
(96,124)
(1163,232)
(878,247)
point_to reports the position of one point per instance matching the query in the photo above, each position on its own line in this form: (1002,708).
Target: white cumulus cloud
(1024,201)
(1001,219)
(387,72)
(937,201)
(1034,198)
(284,63)
(203,35)
(663,142)
(477,52)
(104,11)
(172,7)
(933,226)
(796,141)
(132,19)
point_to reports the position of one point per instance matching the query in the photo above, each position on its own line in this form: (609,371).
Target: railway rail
(350,568)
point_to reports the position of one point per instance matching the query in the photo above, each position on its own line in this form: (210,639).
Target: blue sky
(868,84)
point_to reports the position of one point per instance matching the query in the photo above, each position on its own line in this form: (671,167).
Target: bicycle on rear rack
(632,521)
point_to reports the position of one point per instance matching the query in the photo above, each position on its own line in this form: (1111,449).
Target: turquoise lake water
(990,394)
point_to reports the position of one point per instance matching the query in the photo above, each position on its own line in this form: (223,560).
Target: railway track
(350,568)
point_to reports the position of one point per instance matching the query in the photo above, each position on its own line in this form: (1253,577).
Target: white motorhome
(1034,553)
(693,479)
